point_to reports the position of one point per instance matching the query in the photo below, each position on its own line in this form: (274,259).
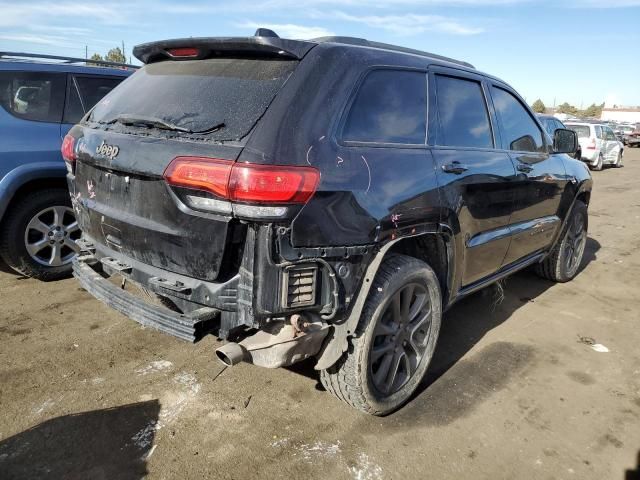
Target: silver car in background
(599,144)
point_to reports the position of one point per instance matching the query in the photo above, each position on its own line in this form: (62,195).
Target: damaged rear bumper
(191,327)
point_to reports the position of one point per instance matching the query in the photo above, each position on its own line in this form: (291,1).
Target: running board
(500,274)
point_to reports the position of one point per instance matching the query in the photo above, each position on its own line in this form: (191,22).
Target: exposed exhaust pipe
(230,354)
(278,344)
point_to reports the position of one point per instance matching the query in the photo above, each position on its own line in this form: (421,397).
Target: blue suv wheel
(39,235)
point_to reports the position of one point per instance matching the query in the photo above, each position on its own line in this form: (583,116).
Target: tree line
(592,110)
(114,55)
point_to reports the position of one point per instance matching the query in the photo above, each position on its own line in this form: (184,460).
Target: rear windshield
(583,131)
(222,97)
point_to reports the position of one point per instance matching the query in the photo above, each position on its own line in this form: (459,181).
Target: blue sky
(580,51)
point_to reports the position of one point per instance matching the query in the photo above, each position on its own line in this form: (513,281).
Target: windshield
(222,97)
(583,131)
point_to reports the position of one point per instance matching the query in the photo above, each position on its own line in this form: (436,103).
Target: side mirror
(565,141)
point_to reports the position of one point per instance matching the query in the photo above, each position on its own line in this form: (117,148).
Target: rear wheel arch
(430,248)
(434,246)
(584,197)
(30,178)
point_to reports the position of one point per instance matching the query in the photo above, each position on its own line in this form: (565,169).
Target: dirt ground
(513,391)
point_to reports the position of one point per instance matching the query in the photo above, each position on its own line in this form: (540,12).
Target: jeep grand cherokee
(326,198)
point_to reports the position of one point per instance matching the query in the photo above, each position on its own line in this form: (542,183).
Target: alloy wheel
(400,338)
(50,236)
(575,243)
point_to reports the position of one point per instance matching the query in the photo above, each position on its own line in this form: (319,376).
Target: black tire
(352,378)
(563,262)
(13,249)
(619,162)
(598,166)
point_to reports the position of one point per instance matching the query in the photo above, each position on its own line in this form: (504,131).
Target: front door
(476,179)
(540,179)
(612,146)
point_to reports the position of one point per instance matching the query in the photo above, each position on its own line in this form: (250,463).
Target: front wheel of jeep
(395,339)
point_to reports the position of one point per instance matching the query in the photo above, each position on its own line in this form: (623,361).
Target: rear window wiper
(148,122)
(155,122)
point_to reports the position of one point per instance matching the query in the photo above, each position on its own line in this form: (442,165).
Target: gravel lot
(516,390)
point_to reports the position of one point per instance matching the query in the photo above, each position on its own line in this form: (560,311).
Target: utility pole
(86,52)
(123,54)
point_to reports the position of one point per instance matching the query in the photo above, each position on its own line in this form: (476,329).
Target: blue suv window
(33,95)
(390,107)
(84,92)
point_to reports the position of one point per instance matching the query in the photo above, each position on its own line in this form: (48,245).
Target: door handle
(523,167)
(455,167)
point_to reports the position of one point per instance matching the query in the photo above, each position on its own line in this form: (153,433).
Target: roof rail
(362,42)
(105,63)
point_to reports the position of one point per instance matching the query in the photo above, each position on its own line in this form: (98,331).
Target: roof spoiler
(65,60)
(205,47)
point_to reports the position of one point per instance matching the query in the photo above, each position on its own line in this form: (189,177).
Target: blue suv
(41,101)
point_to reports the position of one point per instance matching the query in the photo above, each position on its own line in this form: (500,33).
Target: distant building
(629,115)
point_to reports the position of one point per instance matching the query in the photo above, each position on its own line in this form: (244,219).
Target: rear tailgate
(188,108)
(126,205)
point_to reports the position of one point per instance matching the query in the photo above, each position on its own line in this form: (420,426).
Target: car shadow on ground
(634,474)
(471,380)
(112,443)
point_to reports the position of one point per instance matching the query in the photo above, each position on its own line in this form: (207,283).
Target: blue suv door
(32,105)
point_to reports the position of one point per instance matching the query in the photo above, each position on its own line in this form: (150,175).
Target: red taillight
(272,184)
(244,182)
(183,52)
(207,174)
(592,144)
(68,149)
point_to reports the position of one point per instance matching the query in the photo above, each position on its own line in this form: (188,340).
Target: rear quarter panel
(366,194)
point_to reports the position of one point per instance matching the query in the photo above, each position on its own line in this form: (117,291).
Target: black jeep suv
(326,198)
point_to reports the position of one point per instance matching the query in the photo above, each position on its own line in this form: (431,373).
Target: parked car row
(599,145)
(629,134)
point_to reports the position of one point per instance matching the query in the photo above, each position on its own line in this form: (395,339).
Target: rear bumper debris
(191,327)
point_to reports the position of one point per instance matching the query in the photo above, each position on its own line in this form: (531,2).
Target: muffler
(278,344)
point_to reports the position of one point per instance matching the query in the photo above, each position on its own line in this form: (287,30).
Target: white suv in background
(599,144)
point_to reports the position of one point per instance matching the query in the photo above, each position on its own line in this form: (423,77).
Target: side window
(33,95)
(390,107)
(464,119)
(610,134)
(599,132)
(549,125)
(73,110)
(92,89)
(519,131)
(84,93)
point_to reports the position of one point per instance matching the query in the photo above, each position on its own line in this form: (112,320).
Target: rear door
(30,116)
(477,179)
(540,176)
